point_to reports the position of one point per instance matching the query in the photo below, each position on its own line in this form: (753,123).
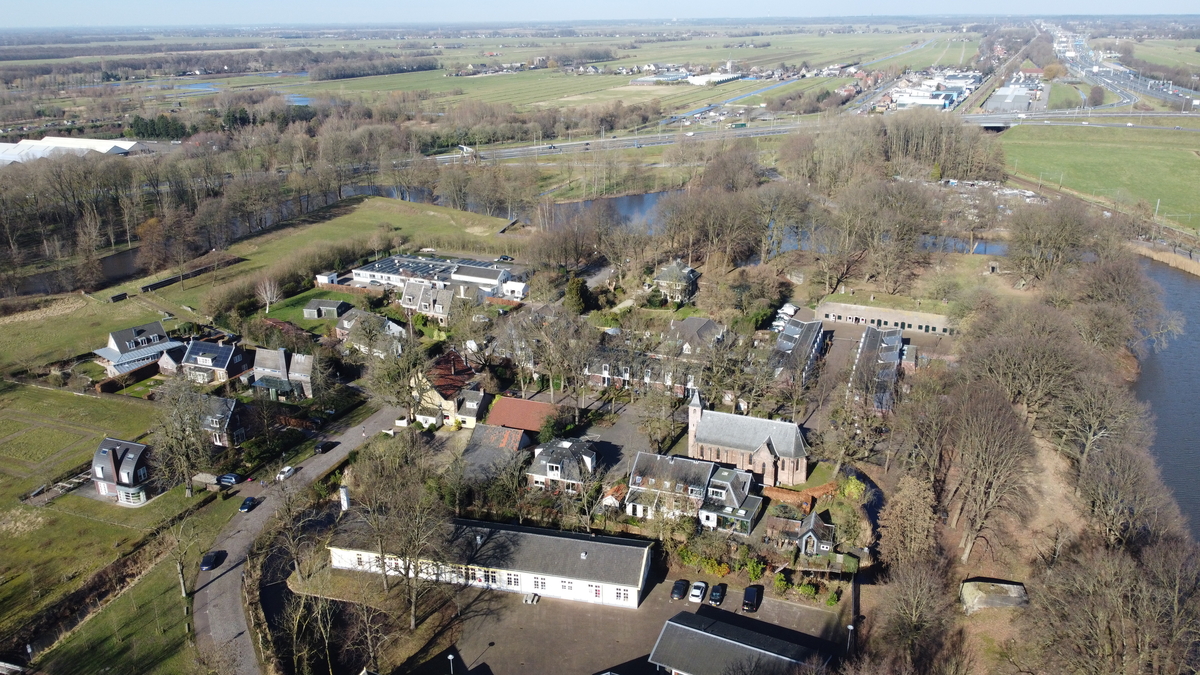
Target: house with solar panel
(773,451)
(876,368)
(132,348)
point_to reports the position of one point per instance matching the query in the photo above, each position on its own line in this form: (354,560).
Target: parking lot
(562,636)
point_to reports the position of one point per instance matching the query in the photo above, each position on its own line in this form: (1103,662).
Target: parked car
(504,258)
(324,446)
(717,595)
(211,560)
(698,590)
(285,473)
(248,505)
(229,479)
(751,598)
(679,590)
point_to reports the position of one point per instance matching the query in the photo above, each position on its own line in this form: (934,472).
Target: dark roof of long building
(570,555)
(702,645)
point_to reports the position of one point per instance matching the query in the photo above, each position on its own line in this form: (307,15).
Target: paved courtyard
(561,636)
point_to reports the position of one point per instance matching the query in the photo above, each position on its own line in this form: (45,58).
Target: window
(694,491)
(489,576)
(512,580)
(622,595)
(651,482)
(100,472)
(358,560)
(141,474)
(204,360)
(568,586)
(126,477)
(539,583)
(716,493)
(637,480)
(553,468)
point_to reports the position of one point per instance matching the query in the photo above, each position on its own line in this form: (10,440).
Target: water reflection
(1165,383)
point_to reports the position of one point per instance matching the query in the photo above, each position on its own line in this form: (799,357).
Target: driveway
(217,601)
(565,637)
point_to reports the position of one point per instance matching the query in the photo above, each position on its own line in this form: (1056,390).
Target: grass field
(144,630)
(75,324)
(1064,96)
(347,220)
(1114,163)
(292,309)
(48,552)
(1177,53)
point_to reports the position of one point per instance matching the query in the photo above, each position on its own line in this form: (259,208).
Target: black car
(717,595)
(324,446)
(229,479)
(248,504)
(210,560)
(680,590)
(751,598)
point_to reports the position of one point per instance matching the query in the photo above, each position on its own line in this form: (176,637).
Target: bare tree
(1128,504)
(181,445)
(268,292)
(915,614)
(1093,414)
(994,449)
(181,538)
(907,524)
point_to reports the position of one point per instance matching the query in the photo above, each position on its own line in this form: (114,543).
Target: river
(1167,378)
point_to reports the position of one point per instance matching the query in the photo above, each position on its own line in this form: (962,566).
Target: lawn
(1175,53)
(292,309)
(40,443)
(821,474)
(1064,96)
(47,553)
(350,219)
(74,324)
(1114,163)
(144,630)
(142,389)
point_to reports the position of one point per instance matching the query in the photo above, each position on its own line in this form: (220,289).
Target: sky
(262,13)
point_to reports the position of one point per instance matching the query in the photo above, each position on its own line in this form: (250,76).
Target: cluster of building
(1023,92)
(935,89)
(57,146)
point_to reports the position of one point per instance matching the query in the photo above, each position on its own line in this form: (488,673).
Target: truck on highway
(736,125)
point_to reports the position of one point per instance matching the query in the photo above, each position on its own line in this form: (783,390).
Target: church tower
(695,410)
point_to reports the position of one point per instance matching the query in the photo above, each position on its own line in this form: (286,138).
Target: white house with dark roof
(355,326)
(132,348)
(677,281)
(690,336)
(711,643)
(728,504)
(565,565)
(564,463)
(121,470)
(667,486)
(772,450)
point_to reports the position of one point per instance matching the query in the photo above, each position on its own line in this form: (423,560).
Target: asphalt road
(217,601)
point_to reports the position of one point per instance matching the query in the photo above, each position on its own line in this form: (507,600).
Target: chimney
(583,555)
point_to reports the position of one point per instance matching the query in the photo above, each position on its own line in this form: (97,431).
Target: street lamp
(849,637)
(451,659)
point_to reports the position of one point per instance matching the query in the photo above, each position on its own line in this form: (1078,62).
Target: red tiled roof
(449,374)
(499,437)
(516,413)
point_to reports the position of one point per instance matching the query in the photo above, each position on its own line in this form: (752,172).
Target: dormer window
(694,491)
(204,360)
(553,468)
(717,493)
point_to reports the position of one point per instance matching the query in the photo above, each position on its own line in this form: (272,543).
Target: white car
(690,133)
(698,590)
(1129,124)
(285,473)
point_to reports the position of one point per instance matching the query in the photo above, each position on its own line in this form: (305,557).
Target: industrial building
(54,146)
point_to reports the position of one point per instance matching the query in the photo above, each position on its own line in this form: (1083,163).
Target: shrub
(852,488)
(808,591)
(756,568)
(781,584)
(832,600)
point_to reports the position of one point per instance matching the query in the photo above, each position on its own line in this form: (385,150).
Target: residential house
(419,298)
(282,372)
(223,421)
(773,450)
(398,270)
(132,348)
(797,348)
(370,333)
(491,447)
(471,405)
(728,504)
(625,369)
(121,471)
(517,413)
(876,367)
(565,565)
(322,308)
(710,642)
(812,535)
(171,359)
(677,282)
(212,362)
(562,464)
(667,486)
(446,380)
(691,336)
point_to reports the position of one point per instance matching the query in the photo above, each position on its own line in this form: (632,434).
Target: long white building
(55,146)
(565,565)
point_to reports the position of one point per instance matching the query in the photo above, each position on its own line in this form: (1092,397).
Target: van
(751,598)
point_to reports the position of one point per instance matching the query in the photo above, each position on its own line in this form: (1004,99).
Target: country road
(217,601)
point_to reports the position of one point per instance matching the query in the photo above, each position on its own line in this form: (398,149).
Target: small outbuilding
(980,593)
(322,308)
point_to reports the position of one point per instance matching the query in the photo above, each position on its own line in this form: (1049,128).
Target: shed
(980,593)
